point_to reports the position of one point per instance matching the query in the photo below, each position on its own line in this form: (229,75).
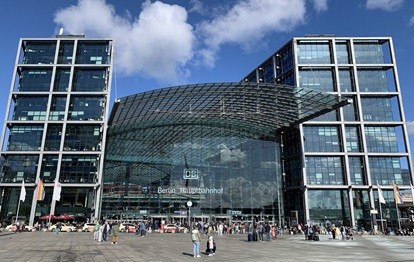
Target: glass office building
(55,126)
(333,164)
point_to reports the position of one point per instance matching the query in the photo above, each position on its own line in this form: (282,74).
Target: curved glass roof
(144,127)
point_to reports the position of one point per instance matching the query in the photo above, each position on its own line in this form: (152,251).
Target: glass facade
(55,127)
(225,178)
(353,149)
(159,156)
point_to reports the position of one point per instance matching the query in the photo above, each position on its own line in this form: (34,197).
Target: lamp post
(189,204)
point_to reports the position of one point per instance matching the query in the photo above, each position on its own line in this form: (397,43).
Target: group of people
(196,240)
(103,230)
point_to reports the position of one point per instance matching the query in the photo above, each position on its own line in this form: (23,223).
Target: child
(211,246)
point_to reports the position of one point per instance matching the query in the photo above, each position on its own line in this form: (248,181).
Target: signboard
(190,173)
(234,212)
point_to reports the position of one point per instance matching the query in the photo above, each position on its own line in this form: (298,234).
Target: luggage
(255,236)
(143,232)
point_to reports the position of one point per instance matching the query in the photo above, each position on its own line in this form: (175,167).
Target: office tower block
(55,127)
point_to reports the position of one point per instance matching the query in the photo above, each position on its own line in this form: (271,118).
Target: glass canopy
(160,128)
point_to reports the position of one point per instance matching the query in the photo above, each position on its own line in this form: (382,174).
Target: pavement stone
(79,246)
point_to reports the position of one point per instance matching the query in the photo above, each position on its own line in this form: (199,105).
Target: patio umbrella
(64,217)
(47,217)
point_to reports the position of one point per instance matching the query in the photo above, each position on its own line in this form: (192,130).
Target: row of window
(77,138)
(74,168)
(80,108)
(43,52)
(364,52)
(379,139)
(40,80)
(330,170)
(369,79)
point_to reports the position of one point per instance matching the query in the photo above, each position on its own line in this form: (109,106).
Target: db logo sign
(190,173)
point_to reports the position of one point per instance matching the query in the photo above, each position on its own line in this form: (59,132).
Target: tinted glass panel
(32,80)
(92,53)
(90,80)
(30,108)
(39,53)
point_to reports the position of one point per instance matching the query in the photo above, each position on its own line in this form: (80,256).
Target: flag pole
(398,215)
(22,197)
(382,222)
(18,209)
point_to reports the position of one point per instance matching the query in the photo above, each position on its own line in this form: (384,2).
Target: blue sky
(171,42)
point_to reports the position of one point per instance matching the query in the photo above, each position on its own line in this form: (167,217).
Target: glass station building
(217,145)
(305,137)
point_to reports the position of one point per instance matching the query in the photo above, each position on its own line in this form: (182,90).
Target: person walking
(105,230)
(115,233)
(267,231)
(260,231)
(196,239)
(211,246)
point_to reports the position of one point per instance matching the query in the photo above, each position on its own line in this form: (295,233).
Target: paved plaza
(79,246)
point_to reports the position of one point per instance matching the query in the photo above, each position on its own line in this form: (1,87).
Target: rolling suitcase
(255,236)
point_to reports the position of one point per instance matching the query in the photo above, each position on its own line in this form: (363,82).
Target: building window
(381,139)
(66,52)
(328,206)
(342,53)
(321,139)
(314,52)
(30,108)
(387,170)
(79,169)
(353,139)
(92,53)
(62,79)
(19,167)
(346,80)
(58,107)
(49,168)
(53,137)
(86,108)
(357,170)
(378,109)
(376,80)
(369,52)
(25,138)
(317,79)
(35,80)
(325,170)
(39,52)
(350,112)
(82,138)
(89,80)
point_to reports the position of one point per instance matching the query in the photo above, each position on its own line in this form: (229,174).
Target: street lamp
(189,204)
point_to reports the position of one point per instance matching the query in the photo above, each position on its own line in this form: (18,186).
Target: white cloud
(320,5)
(410,127)
(387,5)
(248,22)
(411,22)
(158,44)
